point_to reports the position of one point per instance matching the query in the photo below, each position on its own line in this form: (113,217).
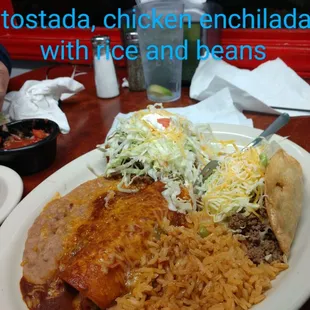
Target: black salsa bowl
(29,159)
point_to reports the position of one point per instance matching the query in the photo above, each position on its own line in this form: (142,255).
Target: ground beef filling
(260,240)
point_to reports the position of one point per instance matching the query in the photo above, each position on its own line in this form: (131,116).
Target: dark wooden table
(90,118)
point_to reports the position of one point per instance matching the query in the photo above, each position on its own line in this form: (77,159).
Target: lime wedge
(160,91)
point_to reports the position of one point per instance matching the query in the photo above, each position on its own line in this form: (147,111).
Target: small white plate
(11,191)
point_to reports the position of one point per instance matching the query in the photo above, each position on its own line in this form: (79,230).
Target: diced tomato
(164,121)
(15,141)
(38,133)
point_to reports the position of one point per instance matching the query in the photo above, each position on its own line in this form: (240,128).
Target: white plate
(11,191)
(290,290)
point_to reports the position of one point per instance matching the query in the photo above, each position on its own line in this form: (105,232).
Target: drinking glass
(162,71)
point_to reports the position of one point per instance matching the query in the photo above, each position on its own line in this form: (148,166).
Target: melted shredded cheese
(237,183)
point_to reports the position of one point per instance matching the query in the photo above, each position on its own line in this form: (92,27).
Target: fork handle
(276,125)
(281,121)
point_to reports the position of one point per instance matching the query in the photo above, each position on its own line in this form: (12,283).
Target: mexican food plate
(133,225)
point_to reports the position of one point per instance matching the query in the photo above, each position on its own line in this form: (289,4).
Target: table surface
(90,118)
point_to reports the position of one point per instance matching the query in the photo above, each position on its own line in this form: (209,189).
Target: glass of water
(161,48)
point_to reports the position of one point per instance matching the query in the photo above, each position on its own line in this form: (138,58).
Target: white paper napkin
(39,99)
(218,108)
(272,87)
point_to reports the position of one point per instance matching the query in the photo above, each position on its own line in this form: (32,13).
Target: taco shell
(284,197)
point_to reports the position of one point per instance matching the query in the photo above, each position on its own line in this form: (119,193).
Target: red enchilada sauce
(15,141)
(56,295)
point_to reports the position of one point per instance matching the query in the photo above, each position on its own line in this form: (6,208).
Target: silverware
(281,121)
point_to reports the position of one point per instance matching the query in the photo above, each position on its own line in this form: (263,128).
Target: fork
(279,122)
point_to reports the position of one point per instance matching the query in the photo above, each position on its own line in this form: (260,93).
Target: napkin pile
(272,87)
(223,91)
(40,99)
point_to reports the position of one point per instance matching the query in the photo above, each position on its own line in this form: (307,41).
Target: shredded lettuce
(143,145)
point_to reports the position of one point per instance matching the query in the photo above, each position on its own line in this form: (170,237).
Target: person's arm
(5,72)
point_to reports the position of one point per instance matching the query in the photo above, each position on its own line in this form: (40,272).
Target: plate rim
(16,193)
(242,130)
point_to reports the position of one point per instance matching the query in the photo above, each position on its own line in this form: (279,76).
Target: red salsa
(15,141)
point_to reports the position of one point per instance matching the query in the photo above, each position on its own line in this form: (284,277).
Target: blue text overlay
(151,23)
